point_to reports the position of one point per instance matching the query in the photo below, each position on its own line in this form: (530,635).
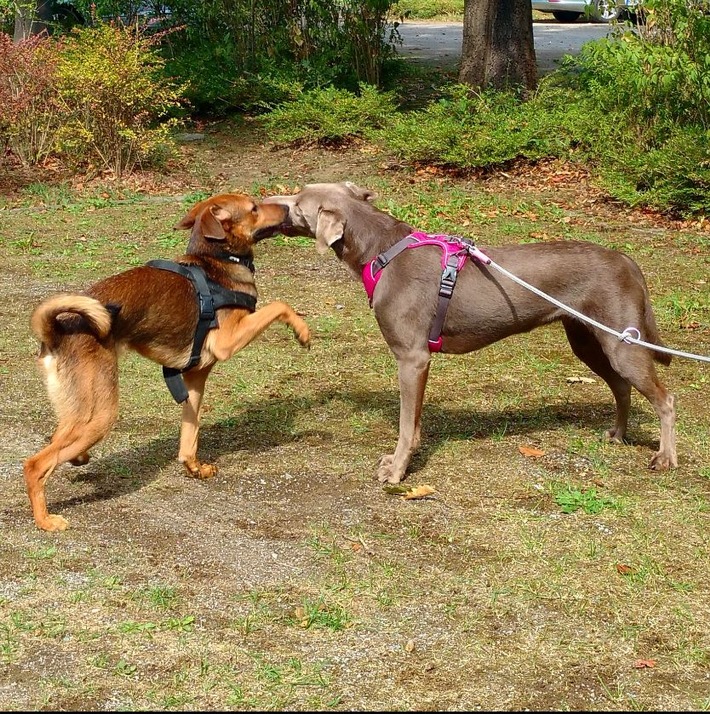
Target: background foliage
(96,98)
(635,107)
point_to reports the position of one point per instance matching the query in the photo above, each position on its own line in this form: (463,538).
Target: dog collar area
(455,250)
(246,260)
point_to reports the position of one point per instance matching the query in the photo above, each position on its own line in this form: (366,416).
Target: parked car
(595,10)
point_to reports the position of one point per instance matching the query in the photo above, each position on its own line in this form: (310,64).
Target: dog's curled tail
(94,317)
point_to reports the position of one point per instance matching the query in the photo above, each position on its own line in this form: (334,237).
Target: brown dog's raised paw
(303,335)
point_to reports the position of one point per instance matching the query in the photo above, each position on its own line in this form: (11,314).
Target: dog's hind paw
(195,469)
(81,459)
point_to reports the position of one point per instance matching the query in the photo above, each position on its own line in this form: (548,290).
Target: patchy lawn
(568,578)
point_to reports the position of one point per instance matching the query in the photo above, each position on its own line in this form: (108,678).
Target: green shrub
(244,54)
(652,85)
(331,116)
(119,101)
(215,87)
(658,74)
(427,9)
(467,129)
(673,176)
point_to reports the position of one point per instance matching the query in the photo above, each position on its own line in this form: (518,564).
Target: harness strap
(371,271)
(210,296)
(454,263)
(383,258)
(455,251)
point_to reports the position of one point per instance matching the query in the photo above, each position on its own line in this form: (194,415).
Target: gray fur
(486,307)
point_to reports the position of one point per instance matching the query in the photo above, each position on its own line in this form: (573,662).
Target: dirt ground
(292,580)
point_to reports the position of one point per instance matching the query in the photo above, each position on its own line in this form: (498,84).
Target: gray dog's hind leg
(636,364)
(587,348)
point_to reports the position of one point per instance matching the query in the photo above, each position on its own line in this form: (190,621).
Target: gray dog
(418,310)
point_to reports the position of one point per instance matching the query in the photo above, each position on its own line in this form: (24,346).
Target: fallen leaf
(624,569)
(356,547)
(418,492)
(410,646)
(531,451)
(644,663)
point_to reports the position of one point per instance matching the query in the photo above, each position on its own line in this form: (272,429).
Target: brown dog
(155,312)
(603,284)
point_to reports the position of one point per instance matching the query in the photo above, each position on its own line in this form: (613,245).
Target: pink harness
(454,252)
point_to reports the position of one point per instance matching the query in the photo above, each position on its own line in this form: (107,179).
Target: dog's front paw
(53,523)
(195,469)
(303,334)
(614,436)
(385,472)
(663,461)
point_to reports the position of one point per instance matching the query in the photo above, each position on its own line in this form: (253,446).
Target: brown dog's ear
(207,223)
(210,223)
(362,194)
(329,228)
(188,221)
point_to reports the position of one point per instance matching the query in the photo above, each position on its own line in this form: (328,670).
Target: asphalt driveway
(440,42)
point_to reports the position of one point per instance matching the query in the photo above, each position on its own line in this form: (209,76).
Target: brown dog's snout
(274,217)
(286,221)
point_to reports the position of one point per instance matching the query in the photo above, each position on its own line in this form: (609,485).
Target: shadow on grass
(265,425)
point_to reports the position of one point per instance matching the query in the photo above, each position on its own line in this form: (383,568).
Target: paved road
(440,42)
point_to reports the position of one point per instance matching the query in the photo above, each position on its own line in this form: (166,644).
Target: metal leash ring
(626,335)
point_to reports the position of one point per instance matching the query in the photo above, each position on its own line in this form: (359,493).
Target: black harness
(210,297)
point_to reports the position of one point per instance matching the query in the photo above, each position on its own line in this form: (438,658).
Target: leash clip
(627,336)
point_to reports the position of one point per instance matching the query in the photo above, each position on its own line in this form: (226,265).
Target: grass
(571,499)
(292,580)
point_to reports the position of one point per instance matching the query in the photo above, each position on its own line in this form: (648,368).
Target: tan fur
(153,312)
(42,321)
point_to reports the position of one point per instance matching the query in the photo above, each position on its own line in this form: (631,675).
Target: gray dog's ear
(362,194)
(329,228)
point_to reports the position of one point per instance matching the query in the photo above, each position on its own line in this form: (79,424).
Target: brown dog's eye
(255,209)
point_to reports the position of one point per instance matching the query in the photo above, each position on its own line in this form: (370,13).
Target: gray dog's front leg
(413,374)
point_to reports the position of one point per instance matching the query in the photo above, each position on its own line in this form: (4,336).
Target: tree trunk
(32,19)
(498,48)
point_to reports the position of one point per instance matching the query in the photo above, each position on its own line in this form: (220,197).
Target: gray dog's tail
(652,332)
(93,316)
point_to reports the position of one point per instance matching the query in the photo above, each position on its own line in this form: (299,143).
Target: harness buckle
(207,311)
(448,277)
